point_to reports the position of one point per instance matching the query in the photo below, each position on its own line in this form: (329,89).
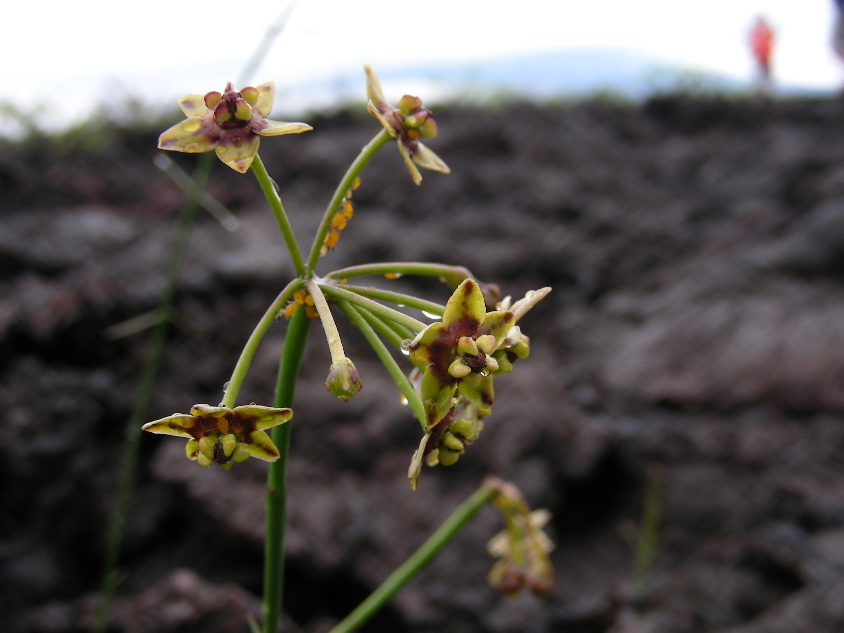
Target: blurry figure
(838,29)
(762,46)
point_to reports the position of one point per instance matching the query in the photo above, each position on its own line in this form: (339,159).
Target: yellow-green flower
(407,124)
(219,435)
(457,352)
(458,358)
(230,123)
(522,547)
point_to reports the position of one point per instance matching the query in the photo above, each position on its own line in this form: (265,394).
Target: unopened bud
(343,380)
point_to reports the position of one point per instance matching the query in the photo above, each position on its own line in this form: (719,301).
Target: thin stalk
(366,154)
(271,194)
(386,329)
(360,317)
(464,513)
(398,298)
(381,311)
(114,537)
(332,335)
(276,506)
(452,275)
(245,360)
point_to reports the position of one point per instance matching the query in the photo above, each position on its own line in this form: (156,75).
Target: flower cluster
(219,435)
(459,357)
(230,123)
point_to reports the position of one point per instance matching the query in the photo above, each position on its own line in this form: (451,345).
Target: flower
(222,435)
(522,547)
(407,124)
(457,352)
(458,358)
(231,123)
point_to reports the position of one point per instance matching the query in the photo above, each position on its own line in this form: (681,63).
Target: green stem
(452,275)
(418,560)
(362,319)
(382,311)
(276,507)
(245,360)
(398,298)
(366,154)
(271,194)
(395,334)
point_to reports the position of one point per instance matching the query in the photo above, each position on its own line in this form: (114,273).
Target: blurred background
(64,59)
(680,414)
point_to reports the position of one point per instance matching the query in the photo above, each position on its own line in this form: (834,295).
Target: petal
(261,446)
(498,324)
(427,159)
(408,161)
(190,135)
(478,390)
(416,462)
(178,424)
(374,91)
(193,105)
(465,310)
(426,348)
(206,410)
(266,96)
(265,417)
(277,128)
(437,397)
(531,298)
(381,119)
(239,157)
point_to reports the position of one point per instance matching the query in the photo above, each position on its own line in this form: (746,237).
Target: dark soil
(692,352)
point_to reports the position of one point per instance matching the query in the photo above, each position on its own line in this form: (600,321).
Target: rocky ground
(691,354)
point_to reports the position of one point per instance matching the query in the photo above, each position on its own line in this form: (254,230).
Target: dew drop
(226,386)
(405,346)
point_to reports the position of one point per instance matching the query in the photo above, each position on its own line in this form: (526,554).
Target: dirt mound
(691,353)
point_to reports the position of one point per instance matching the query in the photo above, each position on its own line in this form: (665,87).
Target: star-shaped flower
(407,124)
(231,123)
(459,357)
(457,352)
(222,435)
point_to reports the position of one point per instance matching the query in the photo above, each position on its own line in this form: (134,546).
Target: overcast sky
(80,50)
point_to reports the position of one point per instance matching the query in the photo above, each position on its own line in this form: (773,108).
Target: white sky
(79,51)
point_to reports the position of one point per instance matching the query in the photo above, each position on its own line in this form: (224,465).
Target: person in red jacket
(762,46)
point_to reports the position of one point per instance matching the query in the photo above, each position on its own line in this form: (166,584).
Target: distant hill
(543,75)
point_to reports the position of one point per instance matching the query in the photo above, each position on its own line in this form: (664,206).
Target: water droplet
(484,372)
(405,346)
(431,315)
(226,386)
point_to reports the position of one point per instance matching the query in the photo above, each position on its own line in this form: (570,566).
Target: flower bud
(343,380)
(458,369)
(447,457)
(251,95)
(452,443)
(212,99)
(229,443)
(243,110)
(241,452)
(206,446)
